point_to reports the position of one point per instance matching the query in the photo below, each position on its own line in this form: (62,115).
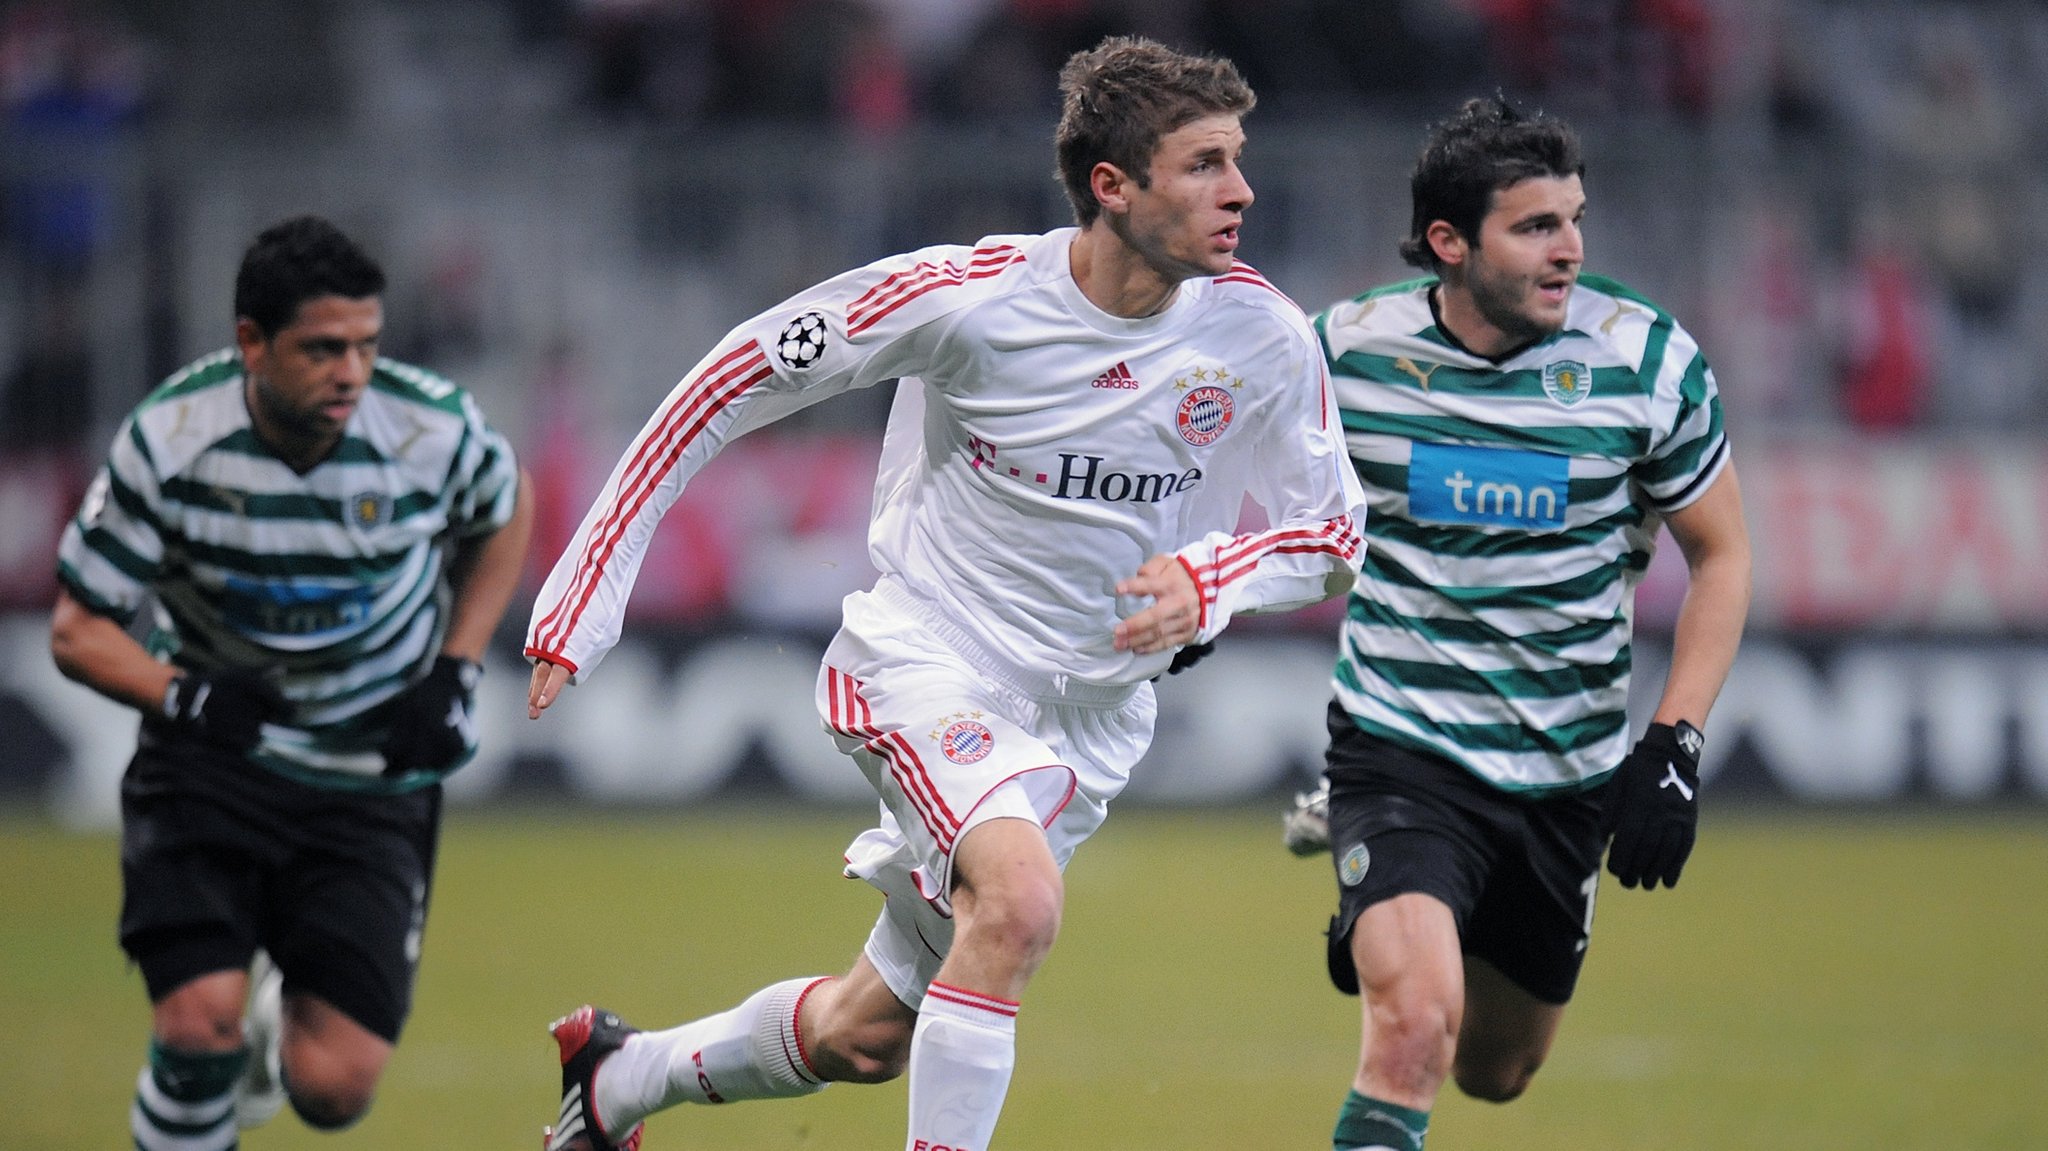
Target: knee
(1021,915)
(329,1089)
(1413,1037)
(196,1019)
(330,1111)
(1496,1080)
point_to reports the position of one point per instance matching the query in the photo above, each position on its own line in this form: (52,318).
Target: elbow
(1741,576)
(1728,581)
(72,627)
(65,653)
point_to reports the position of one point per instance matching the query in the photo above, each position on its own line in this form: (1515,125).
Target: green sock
(185,1100)
(191,1077)
(1366,1123)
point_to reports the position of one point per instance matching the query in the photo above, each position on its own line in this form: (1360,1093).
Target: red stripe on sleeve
(678,409)
(1201,598)
(704,406)
(930,278)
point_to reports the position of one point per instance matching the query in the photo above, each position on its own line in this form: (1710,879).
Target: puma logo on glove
(1651,811)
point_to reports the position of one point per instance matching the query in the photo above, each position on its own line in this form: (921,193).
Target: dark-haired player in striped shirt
(1521,431)
(328,539)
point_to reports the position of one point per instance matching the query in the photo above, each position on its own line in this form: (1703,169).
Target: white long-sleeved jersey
(1047,450)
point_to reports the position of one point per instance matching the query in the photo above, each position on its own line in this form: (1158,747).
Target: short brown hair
(1119,98)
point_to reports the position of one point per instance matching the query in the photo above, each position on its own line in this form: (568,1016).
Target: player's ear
(1447,242)
(1111,186)
(249,338)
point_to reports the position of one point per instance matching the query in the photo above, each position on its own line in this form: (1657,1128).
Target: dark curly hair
(1119,98)
(297,260)
(1486,146)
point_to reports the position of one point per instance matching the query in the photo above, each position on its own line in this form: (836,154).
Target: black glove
(226,707)
(433,722)
(1653,807)
(1189,656)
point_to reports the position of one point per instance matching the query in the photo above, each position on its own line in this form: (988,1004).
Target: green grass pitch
(1816,982)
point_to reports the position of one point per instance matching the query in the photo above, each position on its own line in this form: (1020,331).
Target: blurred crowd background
(1843,199)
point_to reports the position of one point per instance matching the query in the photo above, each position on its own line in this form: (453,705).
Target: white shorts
(949,738)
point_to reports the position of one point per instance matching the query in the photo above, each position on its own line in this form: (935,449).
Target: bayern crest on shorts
(967,741)
(1204,415)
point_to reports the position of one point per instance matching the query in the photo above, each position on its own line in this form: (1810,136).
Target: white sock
(750,1052)
(961,1056)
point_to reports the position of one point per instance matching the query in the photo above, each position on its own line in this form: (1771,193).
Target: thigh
(1390,837)
(934,742)
(1505,1029)
(1405,949)
(328,1051)
(1535,920)
(946,749)
(193,874)
(347,926)
(914,933)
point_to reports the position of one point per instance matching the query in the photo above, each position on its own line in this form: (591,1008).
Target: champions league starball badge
(802,341)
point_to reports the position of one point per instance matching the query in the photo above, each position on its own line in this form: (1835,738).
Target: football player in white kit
(1080,417)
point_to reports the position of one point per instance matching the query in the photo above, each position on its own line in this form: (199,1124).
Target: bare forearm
(485,578)
(99,653)
(1703,647)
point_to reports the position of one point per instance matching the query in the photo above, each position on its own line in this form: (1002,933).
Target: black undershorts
(220,856)
(1519,872)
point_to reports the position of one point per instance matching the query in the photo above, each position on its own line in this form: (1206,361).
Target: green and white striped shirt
(1514,507)
(337,578)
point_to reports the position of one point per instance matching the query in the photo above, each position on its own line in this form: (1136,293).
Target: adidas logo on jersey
(1118,377)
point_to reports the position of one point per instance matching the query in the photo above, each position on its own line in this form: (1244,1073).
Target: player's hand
(1173,618)
(433,722)
(546,684)
(1653,806)
(227,707)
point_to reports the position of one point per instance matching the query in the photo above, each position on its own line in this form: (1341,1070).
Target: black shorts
(1518,872)
(220,856)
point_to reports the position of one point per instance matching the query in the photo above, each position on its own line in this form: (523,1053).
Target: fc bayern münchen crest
(802,341)
(1567,381)
(1204,415)
(369,509)
(967,742)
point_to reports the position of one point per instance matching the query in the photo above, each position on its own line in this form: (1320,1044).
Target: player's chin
(1544,317)
(1213,263)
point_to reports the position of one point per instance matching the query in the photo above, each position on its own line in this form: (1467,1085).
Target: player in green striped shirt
(329,539)
(1522,432)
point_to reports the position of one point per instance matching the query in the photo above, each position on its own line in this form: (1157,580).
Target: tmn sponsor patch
(1499,487)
